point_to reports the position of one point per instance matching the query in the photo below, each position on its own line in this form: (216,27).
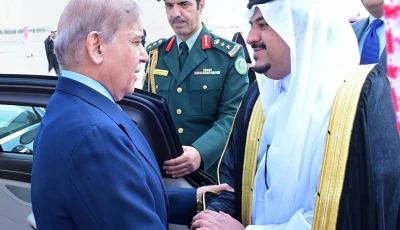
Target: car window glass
(18,126)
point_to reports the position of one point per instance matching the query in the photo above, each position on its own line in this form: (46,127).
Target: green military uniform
(204,96)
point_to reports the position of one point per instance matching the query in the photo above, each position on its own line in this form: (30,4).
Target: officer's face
(184,16)
(271,53)
(374,7)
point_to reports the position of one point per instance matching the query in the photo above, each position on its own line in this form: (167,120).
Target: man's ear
(202,3)
(94,47)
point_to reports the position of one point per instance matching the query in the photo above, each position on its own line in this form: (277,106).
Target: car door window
(18,127)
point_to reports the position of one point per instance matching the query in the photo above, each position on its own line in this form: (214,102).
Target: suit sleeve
(211,144)
(231,168)
(182,205)
(226,200)
(108,183)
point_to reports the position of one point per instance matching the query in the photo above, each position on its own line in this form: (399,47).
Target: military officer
(203,77)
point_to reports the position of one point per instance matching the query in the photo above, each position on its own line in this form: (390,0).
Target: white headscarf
(323,50)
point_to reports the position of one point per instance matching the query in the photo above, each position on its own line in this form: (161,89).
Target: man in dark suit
(93,168)
(203,77)
(370,34)
(51,54)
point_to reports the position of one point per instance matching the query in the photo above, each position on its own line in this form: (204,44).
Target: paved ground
(13,55)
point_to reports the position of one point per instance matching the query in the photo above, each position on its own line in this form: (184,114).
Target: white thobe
(269,206)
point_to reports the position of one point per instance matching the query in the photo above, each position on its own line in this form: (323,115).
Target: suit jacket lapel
(171,61)
(105,105)
(87,94)
(195,58)
(360,27)
(141,144)
(135,135)
(382,59)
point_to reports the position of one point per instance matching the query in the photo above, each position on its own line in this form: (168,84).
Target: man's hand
(210,220)
(187,163)
(213,188)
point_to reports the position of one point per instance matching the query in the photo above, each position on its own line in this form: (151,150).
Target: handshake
(212,220)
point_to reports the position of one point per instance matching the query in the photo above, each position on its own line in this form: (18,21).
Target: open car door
(23,100)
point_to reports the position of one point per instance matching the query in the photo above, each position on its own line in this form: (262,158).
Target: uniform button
(180,130)
(179,111)
(204,86)
(156,86)
(179,90)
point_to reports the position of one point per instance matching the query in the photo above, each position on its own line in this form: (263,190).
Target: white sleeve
(300,220)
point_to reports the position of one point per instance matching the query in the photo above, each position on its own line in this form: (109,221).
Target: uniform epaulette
(226,46)
(155,44)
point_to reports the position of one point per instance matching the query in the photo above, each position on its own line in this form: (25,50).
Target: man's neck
(377,12)
(377,15)
(88,72)
(192,39)
(188,36)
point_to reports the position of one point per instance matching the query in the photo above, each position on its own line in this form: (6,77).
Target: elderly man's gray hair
(80,17)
